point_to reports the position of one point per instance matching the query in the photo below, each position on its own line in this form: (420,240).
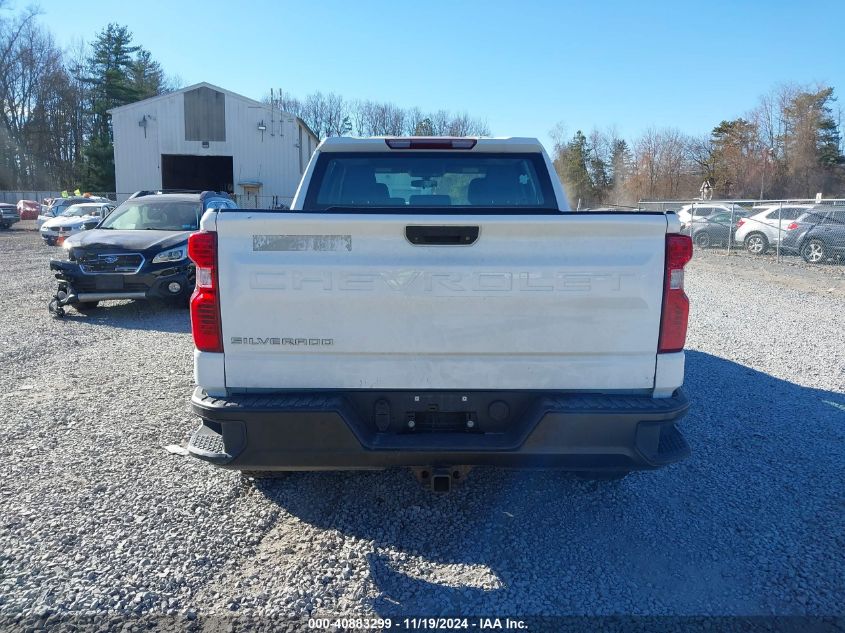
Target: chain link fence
(245,201)
(812,230)
(12,197)
(250,201)
(30,203)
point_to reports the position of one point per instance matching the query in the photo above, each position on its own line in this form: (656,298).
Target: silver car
(73,220)
(767,228)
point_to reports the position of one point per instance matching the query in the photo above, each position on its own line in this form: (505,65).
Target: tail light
(205,302)
(792,226)
(740,223)
(675,314)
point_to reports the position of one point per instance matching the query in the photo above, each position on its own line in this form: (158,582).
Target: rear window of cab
(445,181)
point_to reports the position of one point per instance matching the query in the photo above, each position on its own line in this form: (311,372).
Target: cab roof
(501,145)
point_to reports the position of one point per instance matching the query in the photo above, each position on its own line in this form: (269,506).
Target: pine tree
(571,165)
(600,177)
(111,80)
(424,128)
(812,140)
(147,75)
(620,162)
(735,148)
(346,126)
(116,73)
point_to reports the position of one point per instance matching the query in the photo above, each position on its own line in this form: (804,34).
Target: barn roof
(202,84)
(205,84)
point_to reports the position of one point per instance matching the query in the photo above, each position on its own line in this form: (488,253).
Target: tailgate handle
(441,235)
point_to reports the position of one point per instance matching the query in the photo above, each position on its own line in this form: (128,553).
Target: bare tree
(701,154)
(395,119)
(358,114)
(30,65)
(558,135)
(413,121)
(661,166)
(440,122)
(335,114)
(464,125)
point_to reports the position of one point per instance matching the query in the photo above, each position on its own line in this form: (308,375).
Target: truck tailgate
(337,301)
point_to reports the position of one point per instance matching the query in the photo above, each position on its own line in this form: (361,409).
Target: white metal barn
(207,138)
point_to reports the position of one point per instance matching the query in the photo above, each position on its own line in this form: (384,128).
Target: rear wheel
(86,306)
(757,244)
(814,251)
(702,239)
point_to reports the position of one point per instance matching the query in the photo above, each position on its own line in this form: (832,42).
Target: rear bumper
(324,431)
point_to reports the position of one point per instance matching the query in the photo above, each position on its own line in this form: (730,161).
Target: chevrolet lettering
(444,282)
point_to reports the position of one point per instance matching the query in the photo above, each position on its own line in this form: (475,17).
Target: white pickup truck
(434,303)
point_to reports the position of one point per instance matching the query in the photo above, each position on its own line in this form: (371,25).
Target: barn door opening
(201,173)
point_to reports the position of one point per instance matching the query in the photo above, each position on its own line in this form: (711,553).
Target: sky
(523,66)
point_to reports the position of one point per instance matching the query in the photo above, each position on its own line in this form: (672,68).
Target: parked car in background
(28,209)
(817,235)
(58,205)
(139,251)
(766,228)
(699,210)
(716,229)
(74,219)
(8,215)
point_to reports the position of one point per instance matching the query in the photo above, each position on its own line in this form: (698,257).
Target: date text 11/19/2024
(418,624)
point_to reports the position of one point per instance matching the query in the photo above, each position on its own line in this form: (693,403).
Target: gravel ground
(100,524)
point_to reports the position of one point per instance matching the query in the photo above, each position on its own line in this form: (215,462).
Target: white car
(701,210)
(59,205)
(767,227)
(72,220)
